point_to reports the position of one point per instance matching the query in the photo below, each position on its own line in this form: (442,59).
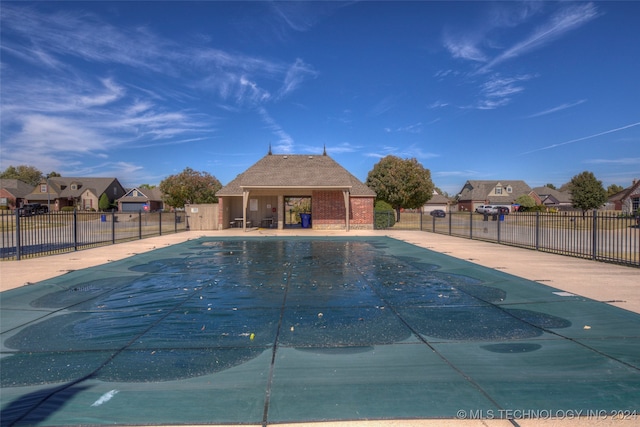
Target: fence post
(18,239)
(421,219)
(160,222)
(537,230)
(450,223)
(175,221)
(139,224)
(499,228)
(471,224)
(75,229)
(594,236)
(113,227)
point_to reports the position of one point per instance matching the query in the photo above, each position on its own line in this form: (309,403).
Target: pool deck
(609,283)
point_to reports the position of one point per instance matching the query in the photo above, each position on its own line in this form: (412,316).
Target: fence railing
(596,235)
(58,232)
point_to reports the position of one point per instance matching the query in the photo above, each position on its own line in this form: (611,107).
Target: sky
(534,91)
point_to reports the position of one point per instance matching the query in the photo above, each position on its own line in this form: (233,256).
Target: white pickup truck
(487,209)
(492,209)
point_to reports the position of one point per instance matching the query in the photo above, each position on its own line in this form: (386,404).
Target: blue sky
(538,91)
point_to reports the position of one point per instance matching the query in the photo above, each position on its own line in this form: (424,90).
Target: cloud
(632,161)
(548,147)
(464,49)
(566,19)
(285,142)
(294,77)
(556,109)
(498,90)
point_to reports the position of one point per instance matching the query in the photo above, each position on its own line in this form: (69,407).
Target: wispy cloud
(548,147)
(498,90)
(63,107)
(556,109)
(412,151)
(285,142)
(632,161)
(413,128)
(566,19)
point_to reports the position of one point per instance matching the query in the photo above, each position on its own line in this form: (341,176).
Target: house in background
(13,193)
(503,193)
(437,201)
(553,199)
(265,193)
(81,193)
(627,200)
(141,199)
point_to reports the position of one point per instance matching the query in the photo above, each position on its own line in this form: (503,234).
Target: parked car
(438,213)
(503,210)
(30,209)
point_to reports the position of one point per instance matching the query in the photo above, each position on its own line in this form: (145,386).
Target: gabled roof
(482,190)
(63,187)
(16,187)
(296,171)
(145,194)
(557,196)
(631,191)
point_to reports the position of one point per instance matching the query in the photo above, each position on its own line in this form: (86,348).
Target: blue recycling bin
(306,220)
(103,218)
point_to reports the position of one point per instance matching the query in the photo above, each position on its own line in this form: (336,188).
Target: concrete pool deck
(615,285)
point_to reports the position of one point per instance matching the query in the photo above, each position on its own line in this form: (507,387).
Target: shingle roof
(560,196)
(479,190)
(296,171)
(16,187)
(153,194)
(62,187)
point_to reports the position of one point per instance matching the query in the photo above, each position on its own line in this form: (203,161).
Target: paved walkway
(613,284)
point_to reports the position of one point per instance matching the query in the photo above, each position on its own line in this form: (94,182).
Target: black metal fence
(58,232)
(601,236)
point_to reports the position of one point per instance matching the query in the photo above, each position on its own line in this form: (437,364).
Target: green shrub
(385,216)
(68,209)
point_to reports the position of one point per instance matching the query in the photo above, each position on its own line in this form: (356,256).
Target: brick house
(262,194)
(82,193)
(141,199)
(13,193)
(627,200)
(479,192)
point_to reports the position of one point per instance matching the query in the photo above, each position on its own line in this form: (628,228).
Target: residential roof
(632,191)
(484,190)
(296,171)
(63,187)
(547,192)
(147,194)
(16,187)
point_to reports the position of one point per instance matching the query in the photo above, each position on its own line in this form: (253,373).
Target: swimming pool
(272,330)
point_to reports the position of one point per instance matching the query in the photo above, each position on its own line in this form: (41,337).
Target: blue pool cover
(274,330)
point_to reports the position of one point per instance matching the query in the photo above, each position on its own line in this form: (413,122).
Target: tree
(526,202)
(587,192)
(147,186)
(403,183)
(551,186)
(24,173)
(53,174)
(614,189)
(190,186)
(104,203)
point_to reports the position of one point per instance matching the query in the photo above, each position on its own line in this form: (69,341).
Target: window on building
(74,186)
(635,204)
(509,189)
(498,190)
(43,188)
